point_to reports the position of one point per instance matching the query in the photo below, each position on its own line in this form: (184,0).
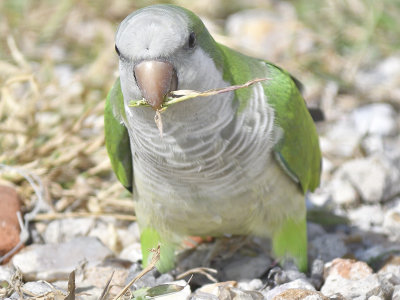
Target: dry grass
(54,76)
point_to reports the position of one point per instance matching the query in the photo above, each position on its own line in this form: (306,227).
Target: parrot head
(163,48)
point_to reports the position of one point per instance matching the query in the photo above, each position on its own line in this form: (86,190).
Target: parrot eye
(116,50)
(192,40)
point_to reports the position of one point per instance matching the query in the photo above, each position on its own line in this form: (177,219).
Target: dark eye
(116,50)
(192,40)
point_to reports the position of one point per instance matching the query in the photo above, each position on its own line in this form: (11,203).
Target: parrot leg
(150,239)
(291,241)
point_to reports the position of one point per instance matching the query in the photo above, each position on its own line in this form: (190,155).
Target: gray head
(163,48)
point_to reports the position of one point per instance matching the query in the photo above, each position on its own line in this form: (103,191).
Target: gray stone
(386,287)
(38,288)
(225,290)
(327,247)
(132,252)
(314,231)
(341,139)
(392,222)
(381,81)
(296,284)
(342,191)
(6,272)
(254,284)
(53,262)
(396,293)
(63,230)
(362,288)
(391,270)
(375,119)
(372,144)
(148,279)
(245,267)
(130,235)
(317,273)
(378,251)
(367,216)
(98,275)
(372,177)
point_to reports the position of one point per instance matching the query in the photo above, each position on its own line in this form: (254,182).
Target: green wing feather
(117,138)
(298,150)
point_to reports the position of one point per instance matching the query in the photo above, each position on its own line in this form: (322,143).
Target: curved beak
(155,79)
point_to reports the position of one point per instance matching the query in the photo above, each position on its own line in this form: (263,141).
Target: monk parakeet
(237,163)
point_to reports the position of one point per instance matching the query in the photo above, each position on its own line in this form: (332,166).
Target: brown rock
(299,294)
(9,227)
(391,266)
(348,269)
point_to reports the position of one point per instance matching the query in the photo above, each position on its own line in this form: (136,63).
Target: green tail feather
(291,240)
(150,239)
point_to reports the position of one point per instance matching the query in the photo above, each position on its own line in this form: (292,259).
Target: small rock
(391,266)
(107,233)
(254,284)
(348,269)
(327,247)
(9,226)
(301,284)
(6,272)
(60,231)
(367,217)
(148,279)
(130,235)
(317,273)
(37,288)
(64,230)
(132,252)
(372,144)
(341,139)
(396,293)
(53,262)
(314,230)
(98,275)
(378,252)
(372,177)
(225,290)
(375,119)
(300,294)
(392,222)
(241,267)
(386,287)
(351,289)
(381,81)
(342,191)
(352,279)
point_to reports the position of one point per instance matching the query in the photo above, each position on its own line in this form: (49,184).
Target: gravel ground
(55,69)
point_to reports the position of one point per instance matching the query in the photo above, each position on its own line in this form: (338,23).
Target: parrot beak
(155,79)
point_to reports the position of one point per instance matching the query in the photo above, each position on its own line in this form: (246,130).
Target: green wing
(117,138)
(298,149)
